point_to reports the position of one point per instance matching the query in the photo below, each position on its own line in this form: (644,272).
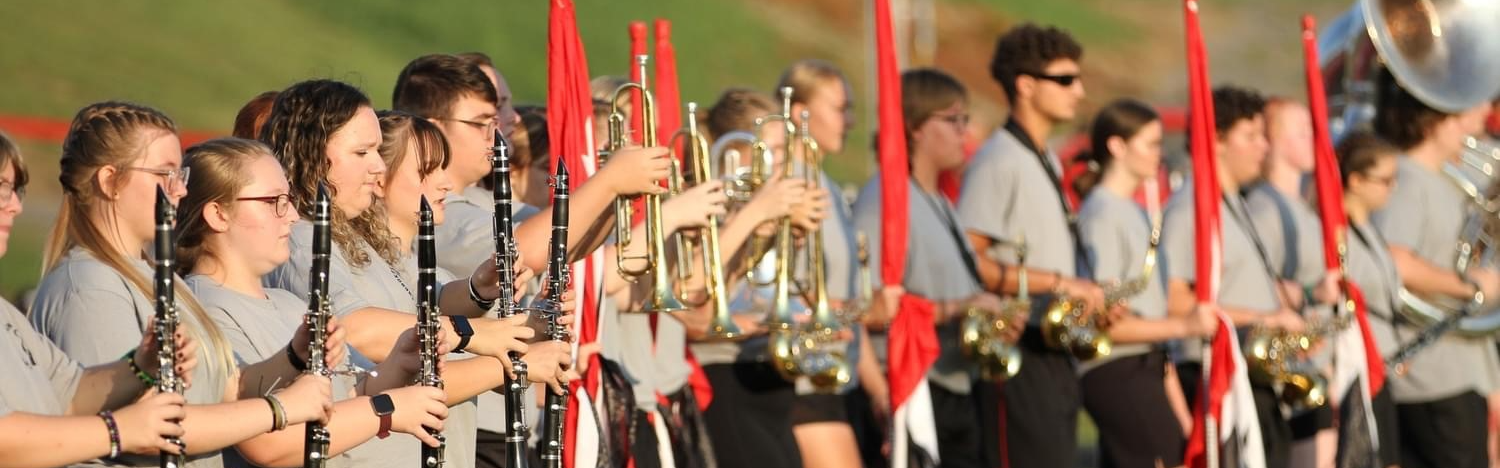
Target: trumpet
(742,180)
(1276,356)
(721,327)
(980,335)
(661,298)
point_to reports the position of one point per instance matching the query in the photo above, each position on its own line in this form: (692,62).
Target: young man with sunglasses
(1012,192)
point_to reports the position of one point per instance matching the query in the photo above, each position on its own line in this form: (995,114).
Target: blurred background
(200,61)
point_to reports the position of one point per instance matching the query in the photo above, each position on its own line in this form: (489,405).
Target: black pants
(1275,430)
(959,437)
(1128,403)
(489,450)
(1449,433)
(749,419)
(643,446)
(1384,413)
(1035,413)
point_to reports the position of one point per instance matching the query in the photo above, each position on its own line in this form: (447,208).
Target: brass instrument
(1278,357)
(780,321)
(822,358)
(1445,53)
(662,298)
(721,327)
(980,334)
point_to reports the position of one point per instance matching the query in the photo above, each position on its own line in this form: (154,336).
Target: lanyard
(958,240)
(1053,176)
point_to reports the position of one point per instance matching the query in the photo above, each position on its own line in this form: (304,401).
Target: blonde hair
(806,76)
(113,134)
(219,173)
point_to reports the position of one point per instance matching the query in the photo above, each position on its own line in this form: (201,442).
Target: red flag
(668,100)
(570,112)
(1330,190)
(637,49)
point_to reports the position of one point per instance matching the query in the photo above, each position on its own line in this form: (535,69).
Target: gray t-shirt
(1116,236)
(1244,281)
(259,329)
(625,338)
(1425,214)
(381,285)
(95,315)
(40,378)
(1370,266)
(1290,231)
(935,268)
(467,233)
(1007,195)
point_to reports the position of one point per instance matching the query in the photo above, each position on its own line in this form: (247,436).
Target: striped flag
(912,338)
(1356,359)
(570,113)
(1224,414)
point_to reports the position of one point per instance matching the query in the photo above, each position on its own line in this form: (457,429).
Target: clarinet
(428,326)
(505,246)
(317,439)
(557,281)
(167,320)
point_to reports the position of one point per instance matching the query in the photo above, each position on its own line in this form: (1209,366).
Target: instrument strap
(1260,250)
(1054,176)
(958,238)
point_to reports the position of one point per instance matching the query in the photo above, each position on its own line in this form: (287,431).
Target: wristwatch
(464,330)
(384,408)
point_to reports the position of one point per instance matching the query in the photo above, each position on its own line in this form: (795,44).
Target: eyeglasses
(8,188)
(1061,80)
(172,179)
(282,202)
(958,120)
(487,126)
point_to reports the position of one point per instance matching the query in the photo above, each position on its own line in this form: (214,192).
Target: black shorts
(1034,415)
(869,432)
(819,408)
(489,451)
(1275,430)
(1306,424)
(1128,402)
(749,418)
(1450,433)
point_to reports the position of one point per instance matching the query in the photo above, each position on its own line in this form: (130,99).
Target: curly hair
(1027,49)
(1400,118)
(1233,104)
(303,119)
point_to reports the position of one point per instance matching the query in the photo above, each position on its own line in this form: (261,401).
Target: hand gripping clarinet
(556,405)
(505,245)
(167,320)
(315,447)
(428,326)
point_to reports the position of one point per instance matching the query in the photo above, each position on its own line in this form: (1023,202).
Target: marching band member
(935,108)
(233,229)
(1440,401)
(1132,395)
(1011,189)
(1251,294)
(116,156)
(1367,166)
(821,421)
(54,411)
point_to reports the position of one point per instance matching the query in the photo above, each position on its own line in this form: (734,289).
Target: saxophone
(1276,356)
(505,258)
(428,327)
(556,406)
(979,334)
(317,439)
(167,318)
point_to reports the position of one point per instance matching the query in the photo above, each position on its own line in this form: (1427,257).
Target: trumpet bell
(1304,391)
(999,361)
(783,346)
(1064,328)
(827,371)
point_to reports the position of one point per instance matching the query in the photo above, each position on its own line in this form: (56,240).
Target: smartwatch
(464,330)
(384,408)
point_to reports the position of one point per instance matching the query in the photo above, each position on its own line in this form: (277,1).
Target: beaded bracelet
(474,297)
(114,433)
(145,378)
(278,413)
(297,362)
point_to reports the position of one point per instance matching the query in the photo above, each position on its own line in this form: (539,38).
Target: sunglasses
(1062,80)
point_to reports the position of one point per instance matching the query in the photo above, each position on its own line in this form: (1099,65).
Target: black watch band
(297,362)
(463,329)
